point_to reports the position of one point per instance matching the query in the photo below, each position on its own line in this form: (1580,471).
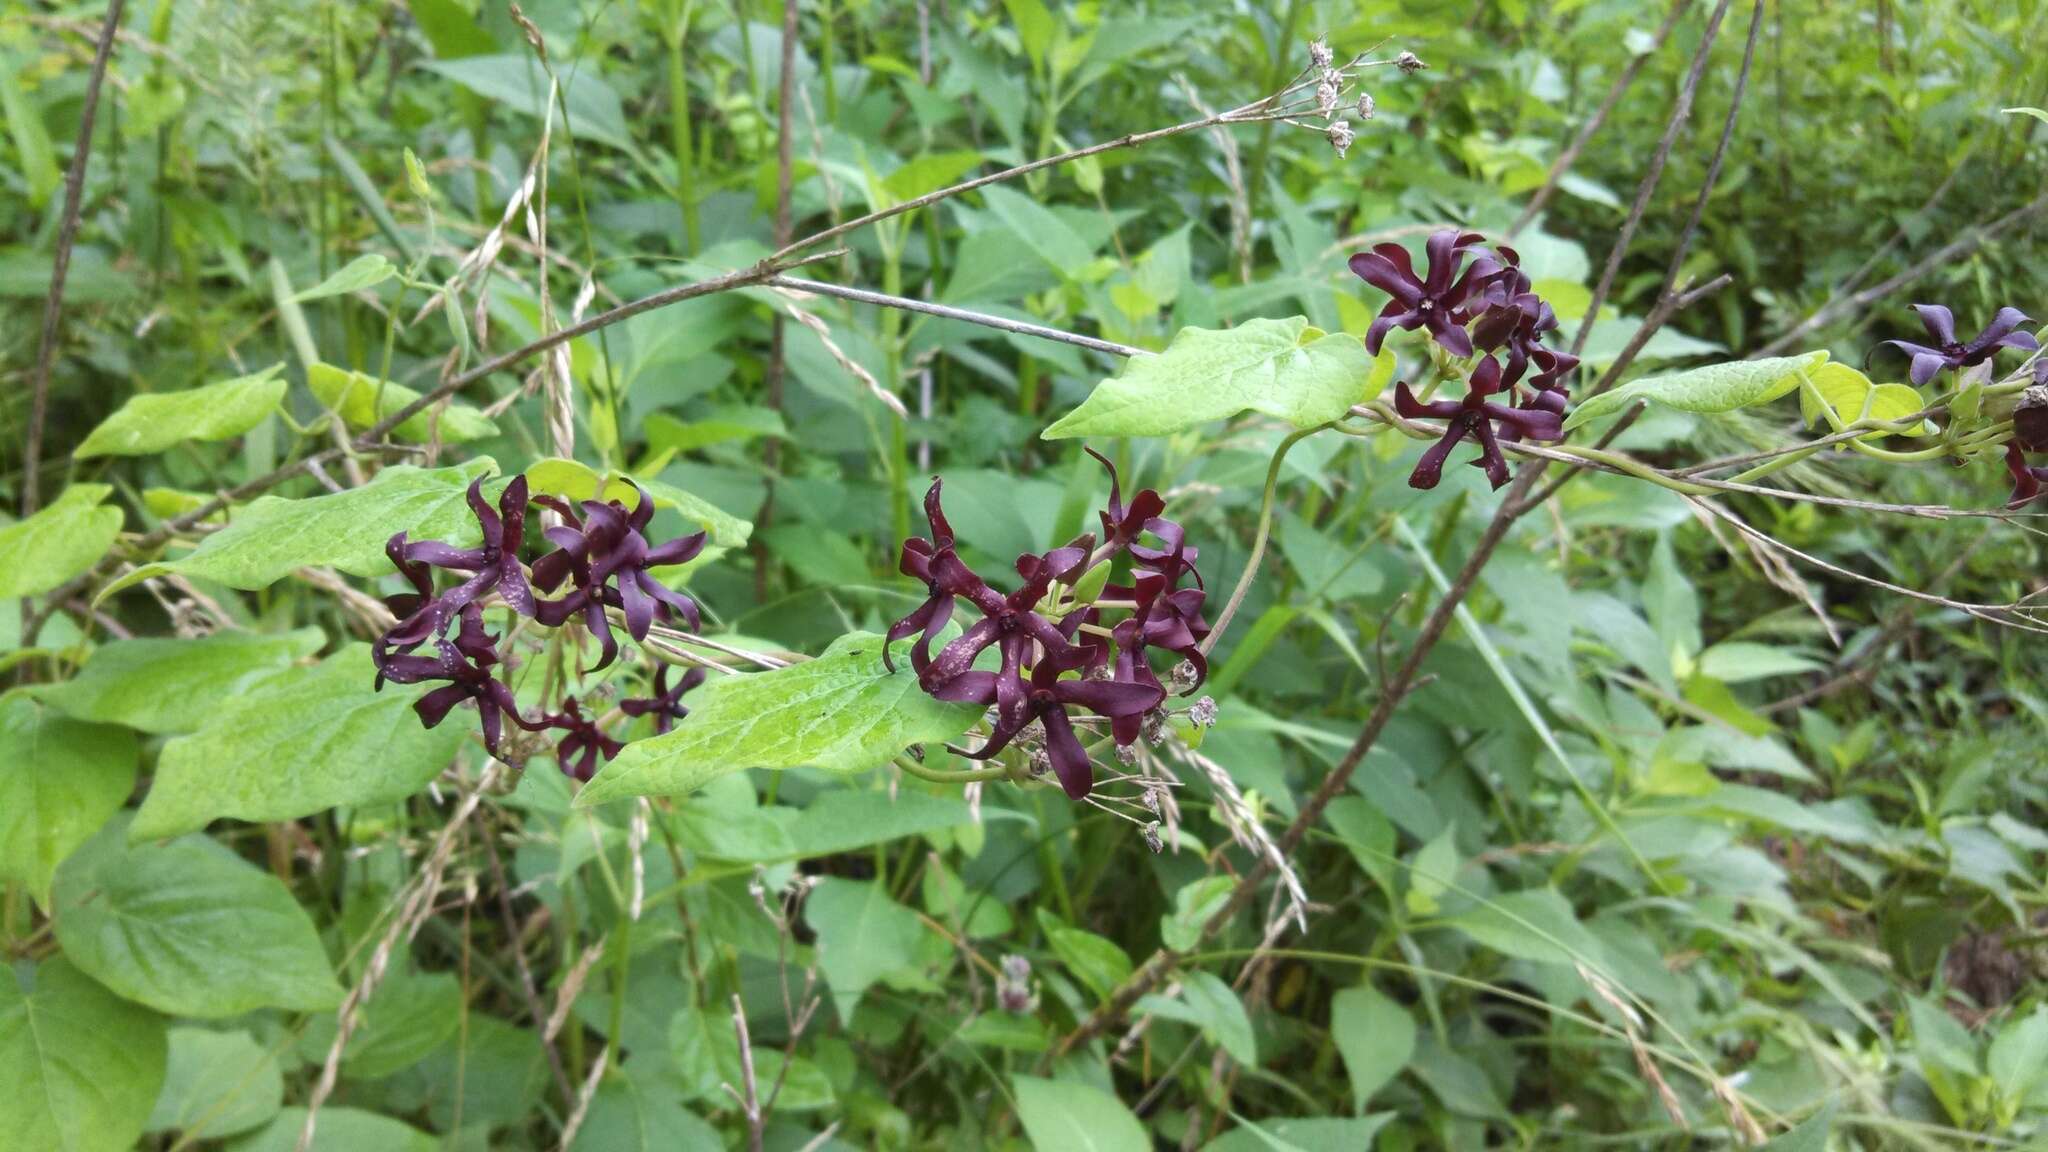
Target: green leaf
(1811,1136)
(863,935)
(57,543)
(1096,961)
(1036,27)
(519,82)
(357,399)
(1433,870)
(1740,661)
(2018,1058)
(274,537)
(1063,1116)
(1376,1037)
(1840,395)
(166,684)
(1309,1133)
(1714,388)
(737,424)
(2036,113)
(218,1084)
(32,150)
(643,1110)
(843,712)
(1282,368)
(153,421)
(1209,1004)
(366,271)
(1535,924)
(1193,904)
(849,819)
(302,741)
(189,928)
(79,1067)
(573,480)
(60,780)
(338,1129)
(929,173)
(406,1020)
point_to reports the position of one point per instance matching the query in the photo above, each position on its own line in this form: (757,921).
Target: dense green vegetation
(1673,806)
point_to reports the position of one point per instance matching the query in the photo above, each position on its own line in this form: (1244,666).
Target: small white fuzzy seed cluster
(1327,83)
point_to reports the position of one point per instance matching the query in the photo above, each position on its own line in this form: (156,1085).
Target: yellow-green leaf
(153,421)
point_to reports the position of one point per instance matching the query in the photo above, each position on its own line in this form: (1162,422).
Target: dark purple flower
(1434,301)
(582,741)
(930,618)
(1948,352)
(1010,623)
(605,555)
(494,564)
(1475,416)
(1045,698)
(1120,524)
(2026,480)
(467,663)
(665,705)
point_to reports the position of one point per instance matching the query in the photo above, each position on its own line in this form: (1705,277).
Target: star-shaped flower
(1475,416)
(1434,301)
(1948,352)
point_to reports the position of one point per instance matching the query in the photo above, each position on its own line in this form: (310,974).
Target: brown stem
(778,354)
(60,267)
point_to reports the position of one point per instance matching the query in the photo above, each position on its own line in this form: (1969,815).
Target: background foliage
(208,821)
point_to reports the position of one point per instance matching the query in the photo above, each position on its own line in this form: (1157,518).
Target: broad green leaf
(1209,1004)
(1096,961)
(1839,395)
(643,1110)
(153,421)
(406,1020)
(854,818)
(366,271)
(518,81)
(189,928)
(843,712)
(218,1084)
(79,1066)
(60,780)
(361,403)
(1714,388)
(863,936)
(33,154)
(1193,904)
(1740,661)
(1535,924)
(166,684)
(1282,368)
(929,173)
(1063,1116)
(2018,1058)
(1810,1136)
(338,1129)
(1036,27)
(1309,1134)
(58,542)
(1376,1037)
(1433,869)
(302,741)
(737,424)
(274,537)
(573,480)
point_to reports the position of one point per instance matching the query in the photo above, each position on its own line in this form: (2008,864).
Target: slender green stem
(965,776)
(1265,532)
(679,128)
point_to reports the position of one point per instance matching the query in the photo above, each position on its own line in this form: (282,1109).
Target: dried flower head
(1319,54)
(1341,137)
(1409,62)
(1367,106)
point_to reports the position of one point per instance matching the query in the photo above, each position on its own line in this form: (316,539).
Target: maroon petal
(1939,321)
(1069,759)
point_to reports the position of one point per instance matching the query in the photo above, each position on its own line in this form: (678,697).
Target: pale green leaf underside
(57,543)
(1713,388)
(360,403)
(167,684)
(302,741)
(843,712)
(1065,1116)
(189,928)
(154,421)
(60,780)
(219,1083)
(274,537)
(1282,368)
(79,1067)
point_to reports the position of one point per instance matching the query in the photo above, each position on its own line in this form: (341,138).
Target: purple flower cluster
(1053,651)
(1486,307)
(602,554)
(1948,352)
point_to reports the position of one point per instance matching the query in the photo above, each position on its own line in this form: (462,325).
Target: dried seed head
(1041,762)
(1341,137)
(1014,991)
(1326,97)
(1185,676)
(1152,838)
(1366,106)
(1127,755)
(1409,62)
(1151,801)
(1016,967)
(1203,712)
(1319,52)
(1154,730)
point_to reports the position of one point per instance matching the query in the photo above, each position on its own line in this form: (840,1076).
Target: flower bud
(2030,419)
(1341,137)
(1326,97)
(1366,106)
(1153,839)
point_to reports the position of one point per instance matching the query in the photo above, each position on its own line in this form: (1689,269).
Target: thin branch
(60,267)
(1680,112)
(1570,155)
(946,312)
